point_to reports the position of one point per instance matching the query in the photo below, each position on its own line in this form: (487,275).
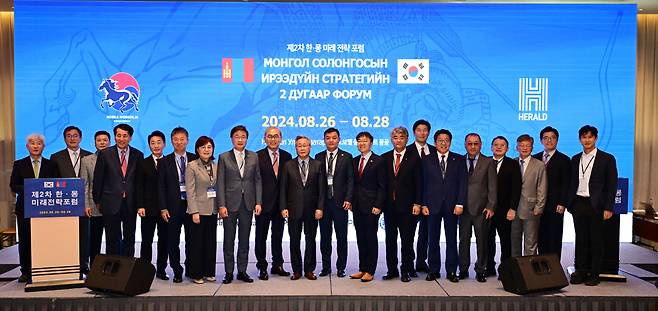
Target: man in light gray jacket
(525,220)
(239,196)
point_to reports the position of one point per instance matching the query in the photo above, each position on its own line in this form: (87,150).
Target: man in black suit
(115,181)
(172,198)
(403,173)
(270,159)
(421,129)
(591,201)
(557,171)
(147,205)
(301,200)
(509,192)
(69,162)
(444,197)
(32,166)
(337,165)
(369,197)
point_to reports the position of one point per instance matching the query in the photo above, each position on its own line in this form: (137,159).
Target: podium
(54,206)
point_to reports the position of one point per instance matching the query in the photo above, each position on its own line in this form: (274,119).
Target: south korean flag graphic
(413,71)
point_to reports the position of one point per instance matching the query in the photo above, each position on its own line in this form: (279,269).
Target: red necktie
(363,160)
(397,163)
(275,164)
(124,163)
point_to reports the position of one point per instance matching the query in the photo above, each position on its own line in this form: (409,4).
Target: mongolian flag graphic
(240,69)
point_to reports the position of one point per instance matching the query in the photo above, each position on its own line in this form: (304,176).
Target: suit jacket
(87,173)
(197,182)
(441,194)
(147,186)
(482,186)
(269,181)
(343,182)
(109,182)
(558,174)
(407,184)
(412,146)
(302,200)
(509,187)
(169,184)
(602,181)
(533,189)
(63,161)
(233,187)
(23,169)
(370,187)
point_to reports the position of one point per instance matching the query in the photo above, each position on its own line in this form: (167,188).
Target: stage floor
(334,286)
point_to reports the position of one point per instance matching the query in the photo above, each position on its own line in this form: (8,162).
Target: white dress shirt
(585,172)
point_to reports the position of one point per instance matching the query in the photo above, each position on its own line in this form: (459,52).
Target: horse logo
(121,92)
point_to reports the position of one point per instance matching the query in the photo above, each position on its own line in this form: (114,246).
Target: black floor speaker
(531,274)
(120,275)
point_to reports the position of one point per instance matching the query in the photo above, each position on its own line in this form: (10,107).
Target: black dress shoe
(162,276)
(243,276)
(278,270)
(405,277)
(431,277)
(577,278)
(413,274)
(295,276)
(480,277)
(341,273)
(228,278)
(262,275)
(452,277)
(325,272)
(592,280)
(422,267)
(391,275)
(178,279)
(84,271)
(463,275)
(23,278)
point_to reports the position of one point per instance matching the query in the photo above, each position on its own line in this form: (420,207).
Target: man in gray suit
(69,161)
(239,196)
(525,220)
(482,192)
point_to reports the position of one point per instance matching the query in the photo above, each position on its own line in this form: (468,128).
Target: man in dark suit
(509,192)
(369,197)
(403,177)
(421,129)
(32,166)
(591,201)
(557,170)
(301,200)
(479,209)
(115,181)
(337,165)
(239,198)
(444,197)
(69,162)
(270,159)
(148,207)
(172,198)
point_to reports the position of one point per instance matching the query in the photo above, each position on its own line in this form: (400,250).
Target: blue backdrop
(495,69)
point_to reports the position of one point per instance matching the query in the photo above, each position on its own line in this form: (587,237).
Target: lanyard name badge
(211,192)
(583,170)
(181,185)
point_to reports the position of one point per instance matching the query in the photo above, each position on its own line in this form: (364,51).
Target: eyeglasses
(272,136)
(442,141)
(548,138)
(72,136)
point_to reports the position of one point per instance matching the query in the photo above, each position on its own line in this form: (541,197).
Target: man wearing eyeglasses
(270,159)
(557,171)
(69,161)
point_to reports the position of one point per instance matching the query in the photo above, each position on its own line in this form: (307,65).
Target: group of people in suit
(416,186)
